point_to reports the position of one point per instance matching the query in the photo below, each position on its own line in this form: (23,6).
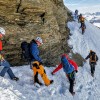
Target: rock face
(27,19)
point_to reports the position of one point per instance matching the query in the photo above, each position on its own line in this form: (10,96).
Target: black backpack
(26,51)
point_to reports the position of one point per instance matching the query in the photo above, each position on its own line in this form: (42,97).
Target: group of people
(69,66)
(81,20)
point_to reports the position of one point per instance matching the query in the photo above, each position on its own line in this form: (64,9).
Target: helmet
(2,31)
(65,55)
(39,40)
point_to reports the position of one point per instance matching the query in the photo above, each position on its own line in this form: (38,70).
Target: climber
(37,64)
(4,62)
(76,14)
(69,67)
(93,61)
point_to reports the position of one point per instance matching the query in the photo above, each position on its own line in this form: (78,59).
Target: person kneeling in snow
(4,62)
(69,67)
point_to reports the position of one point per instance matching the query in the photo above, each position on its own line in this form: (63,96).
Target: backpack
(93,57)
(82,19)
(26,51)
(67,67)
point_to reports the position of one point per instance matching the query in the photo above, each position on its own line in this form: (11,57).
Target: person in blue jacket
(70,72)
(35,43)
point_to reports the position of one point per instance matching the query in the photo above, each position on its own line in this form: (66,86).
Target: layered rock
(27,19)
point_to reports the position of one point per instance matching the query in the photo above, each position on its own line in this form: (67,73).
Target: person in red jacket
(73,63)
(69,67)
(4,62)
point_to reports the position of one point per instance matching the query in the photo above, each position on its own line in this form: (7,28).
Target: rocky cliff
(26,19)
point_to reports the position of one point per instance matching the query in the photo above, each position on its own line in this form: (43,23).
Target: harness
(72,75)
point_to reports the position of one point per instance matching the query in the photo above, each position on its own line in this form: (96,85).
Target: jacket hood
(65,55)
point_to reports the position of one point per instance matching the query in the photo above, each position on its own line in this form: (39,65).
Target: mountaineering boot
(39,83)
(73,93)
(15,78)
(92,74)
(51,81)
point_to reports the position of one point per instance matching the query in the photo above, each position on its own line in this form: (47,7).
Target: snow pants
(39,69)
(92,65)
(71,78)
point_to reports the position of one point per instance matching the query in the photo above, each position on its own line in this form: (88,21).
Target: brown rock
(27,19)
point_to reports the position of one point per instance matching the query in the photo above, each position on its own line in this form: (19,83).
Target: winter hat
(39,40)
(2,31)
(65,55)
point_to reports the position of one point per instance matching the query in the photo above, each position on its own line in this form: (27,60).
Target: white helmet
(39,40)
(2,31)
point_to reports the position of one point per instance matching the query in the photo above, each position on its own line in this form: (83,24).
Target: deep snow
(86,87)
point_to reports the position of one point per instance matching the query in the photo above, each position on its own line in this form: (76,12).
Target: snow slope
(86,87)
(82,44)
(93,18)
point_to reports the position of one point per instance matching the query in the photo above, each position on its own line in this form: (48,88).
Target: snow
(97,24)
(94,18)
(86,87)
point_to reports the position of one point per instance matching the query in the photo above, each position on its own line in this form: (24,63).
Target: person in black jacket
(93,60)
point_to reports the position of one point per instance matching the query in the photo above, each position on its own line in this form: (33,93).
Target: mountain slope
(86,87)
(93,18)
(82,44)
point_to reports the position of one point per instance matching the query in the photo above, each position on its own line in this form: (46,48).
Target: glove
(76,71)
(52,73)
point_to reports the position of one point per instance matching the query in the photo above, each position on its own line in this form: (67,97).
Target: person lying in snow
(70,68)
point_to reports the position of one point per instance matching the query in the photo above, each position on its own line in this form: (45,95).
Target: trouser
(83,30)
(92,65)
(9,71)
(39,69)
(36,80)
(71,78)
(6,69)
